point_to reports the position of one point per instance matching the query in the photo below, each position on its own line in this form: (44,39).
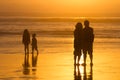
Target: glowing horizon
(65,8)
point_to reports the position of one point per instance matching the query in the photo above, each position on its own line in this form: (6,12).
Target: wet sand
(59,66)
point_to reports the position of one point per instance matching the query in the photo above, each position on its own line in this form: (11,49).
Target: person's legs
(78,58)
(75,56)
(36,49)
(33,55)
(28,49)
(90,51)
(85,55)
(25,47)
(32,50)
(79,55)
(75,59)
(90,55)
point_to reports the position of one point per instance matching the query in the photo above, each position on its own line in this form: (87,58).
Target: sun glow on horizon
(60,7)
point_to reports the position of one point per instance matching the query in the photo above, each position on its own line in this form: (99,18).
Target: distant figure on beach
(88,39)
(26,41)
(34,43)
(78,42)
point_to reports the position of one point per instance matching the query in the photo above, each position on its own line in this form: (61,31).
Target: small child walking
(34,43)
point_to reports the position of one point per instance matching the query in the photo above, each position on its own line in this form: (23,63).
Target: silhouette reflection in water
(26,65)
(80,73)
(77,75)
(34,61)
(30,68)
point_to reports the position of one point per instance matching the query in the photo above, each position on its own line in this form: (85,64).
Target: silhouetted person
(26,41)
(77,42)
(34,56)
(34,47)
(34,44)
(88,39)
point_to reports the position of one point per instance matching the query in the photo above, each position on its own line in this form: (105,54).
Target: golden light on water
(82,59)
(83,72)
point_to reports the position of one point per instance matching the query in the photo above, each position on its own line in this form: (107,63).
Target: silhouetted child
(34,43)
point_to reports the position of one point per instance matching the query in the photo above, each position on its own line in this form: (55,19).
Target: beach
(55,44)
(58,66)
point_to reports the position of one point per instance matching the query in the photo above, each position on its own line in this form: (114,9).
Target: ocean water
(55,44)
(55,34)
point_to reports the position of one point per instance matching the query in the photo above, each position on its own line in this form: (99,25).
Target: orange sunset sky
(60,8)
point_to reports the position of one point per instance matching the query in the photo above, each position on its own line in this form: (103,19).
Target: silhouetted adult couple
(83,41)
(26,42)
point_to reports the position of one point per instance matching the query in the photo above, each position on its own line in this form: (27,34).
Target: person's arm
(92,35)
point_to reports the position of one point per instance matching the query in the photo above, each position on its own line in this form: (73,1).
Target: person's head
(86,23)
(34,35)
(26,31)
(78,25)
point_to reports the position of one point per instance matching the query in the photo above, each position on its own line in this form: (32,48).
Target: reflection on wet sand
(34,63)
(30,68)
(80,73)
(26,65)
